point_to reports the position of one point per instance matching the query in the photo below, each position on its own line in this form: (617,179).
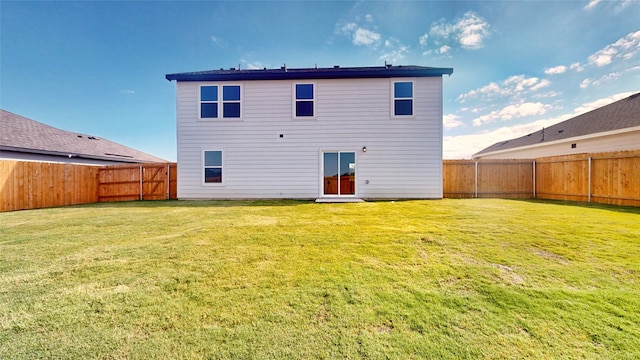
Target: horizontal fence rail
(32,185)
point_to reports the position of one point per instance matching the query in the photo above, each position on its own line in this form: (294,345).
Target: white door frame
(322,175)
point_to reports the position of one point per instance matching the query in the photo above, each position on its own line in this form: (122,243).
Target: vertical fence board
(7,184)
(19,189)
(173,181)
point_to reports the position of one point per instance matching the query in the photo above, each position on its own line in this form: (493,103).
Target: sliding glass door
(339,174)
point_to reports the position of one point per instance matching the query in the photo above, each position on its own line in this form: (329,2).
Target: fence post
(589,180)
(168,181)
(141,195)
(534,179)
(476,180)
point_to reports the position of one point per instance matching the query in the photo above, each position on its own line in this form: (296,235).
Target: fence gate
(155,182)
(137,182)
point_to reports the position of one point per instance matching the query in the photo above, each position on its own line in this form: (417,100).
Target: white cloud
(592,4)
(473,31)
(127,91)
(365,37)
(512,111)
(246,63)
(625,48)
(469,32)
(624,3)
(359,35)
(608,77)
(512,86)
(492,88)
(256,65)
(576,66)
(394,51)
(560,69)
(394,56)
(600,103)
(442,29)
(451,121)
(348,28)
(389,49)
(520,82)
(548,94)
(539,85)
(444,49)
(423,39)
(214,39)
(489,90)
(603,57)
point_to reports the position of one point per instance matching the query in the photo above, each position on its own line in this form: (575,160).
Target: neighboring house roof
(20,134)
(619,115)
(335,72)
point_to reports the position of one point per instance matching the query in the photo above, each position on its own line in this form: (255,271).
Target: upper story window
(305,99)
(231,101)
(208,102)
(211,97)
(403,98)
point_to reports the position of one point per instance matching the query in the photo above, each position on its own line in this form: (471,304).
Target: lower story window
(213,167)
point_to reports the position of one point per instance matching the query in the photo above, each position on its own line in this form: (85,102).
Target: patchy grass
(450,279)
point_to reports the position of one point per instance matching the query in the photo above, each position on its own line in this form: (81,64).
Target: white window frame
(203,166)
(200,102)
(295,100)
(220,101)
(412,98)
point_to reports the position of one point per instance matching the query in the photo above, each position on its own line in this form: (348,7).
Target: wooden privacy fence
(610,178)
(602,178)
(33,185)
(137,182)
(507,179)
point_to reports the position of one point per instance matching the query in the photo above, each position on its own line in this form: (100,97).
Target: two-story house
(333,134)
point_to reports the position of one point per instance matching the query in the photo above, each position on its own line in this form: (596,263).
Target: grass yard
(449,279)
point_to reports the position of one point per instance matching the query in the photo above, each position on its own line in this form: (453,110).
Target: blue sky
(98,67)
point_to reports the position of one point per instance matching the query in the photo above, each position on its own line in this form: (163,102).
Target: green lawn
(450,279)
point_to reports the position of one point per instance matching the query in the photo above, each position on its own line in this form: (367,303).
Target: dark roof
(621,114)
(17,133)
(335,72)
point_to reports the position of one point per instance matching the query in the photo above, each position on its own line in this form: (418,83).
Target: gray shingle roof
(18,133)
(621,114)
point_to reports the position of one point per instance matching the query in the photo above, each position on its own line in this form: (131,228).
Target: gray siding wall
(403,158)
